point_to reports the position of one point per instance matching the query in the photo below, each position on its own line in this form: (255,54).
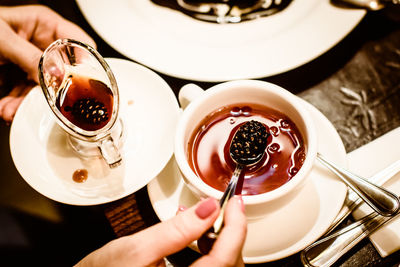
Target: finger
(19,92)
(227,248)
(230,241)
(10,108)
(67,29)
(61,28)
(19,51)
(15,92)
(25,46)
(10,103)
(18,89)
(175,234)
(3,103)
(42,26)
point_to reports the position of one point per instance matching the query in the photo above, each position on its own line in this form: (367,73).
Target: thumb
(19,51)
(175,234)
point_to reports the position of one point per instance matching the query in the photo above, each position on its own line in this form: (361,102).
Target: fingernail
(239,199)
(206,208)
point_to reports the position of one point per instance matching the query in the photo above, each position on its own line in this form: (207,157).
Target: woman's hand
(150,246)
(25,32)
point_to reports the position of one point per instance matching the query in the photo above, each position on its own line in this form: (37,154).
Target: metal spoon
(352,200)
(247,148)
(332,246)
(378,198)
(328,250)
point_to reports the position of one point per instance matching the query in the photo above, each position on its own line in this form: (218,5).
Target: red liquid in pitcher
(208,149)
(86,102)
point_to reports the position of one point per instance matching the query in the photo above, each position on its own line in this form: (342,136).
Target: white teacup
(197,104)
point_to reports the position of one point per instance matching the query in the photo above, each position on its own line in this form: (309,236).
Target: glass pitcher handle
(110,152)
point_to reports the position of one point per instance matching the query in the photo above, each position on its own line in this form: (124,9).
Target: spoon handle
(206,241)
(229,192)
(328,250)
(379,199)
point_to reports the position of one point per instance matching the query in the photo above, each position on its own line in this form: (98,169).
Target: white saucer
(149,110)
(282,232)
(175,44)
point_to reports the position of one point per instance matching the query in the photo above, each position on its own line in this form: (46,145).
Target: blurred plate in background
(175,44)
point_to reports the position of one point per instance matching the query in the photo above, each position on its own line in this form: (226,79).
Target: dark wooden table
(356,85)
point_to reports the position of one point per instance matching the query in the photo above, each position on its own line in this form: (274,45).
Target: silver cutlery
(328,250)
(378,198)
(352,200)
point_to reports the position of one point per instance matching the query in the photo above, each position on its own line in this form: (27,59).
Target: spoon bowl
(378,198)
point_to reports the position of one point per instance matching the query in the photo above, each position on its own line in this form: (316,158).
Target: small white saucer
(39,148)
(282,232)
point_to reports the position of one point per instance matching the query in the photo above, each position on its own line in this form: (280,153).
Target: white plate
(150,112)
(175,44)
(282,232)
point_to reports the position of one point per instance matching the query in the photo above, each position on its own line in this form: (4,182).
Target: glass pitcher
(82,92)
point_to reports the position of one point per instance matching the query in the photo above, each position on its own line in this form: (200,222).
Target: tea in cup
(209,122)
(82,93)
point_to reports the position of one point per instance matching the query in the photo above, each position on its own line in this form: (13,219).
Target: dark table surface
(356,85)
